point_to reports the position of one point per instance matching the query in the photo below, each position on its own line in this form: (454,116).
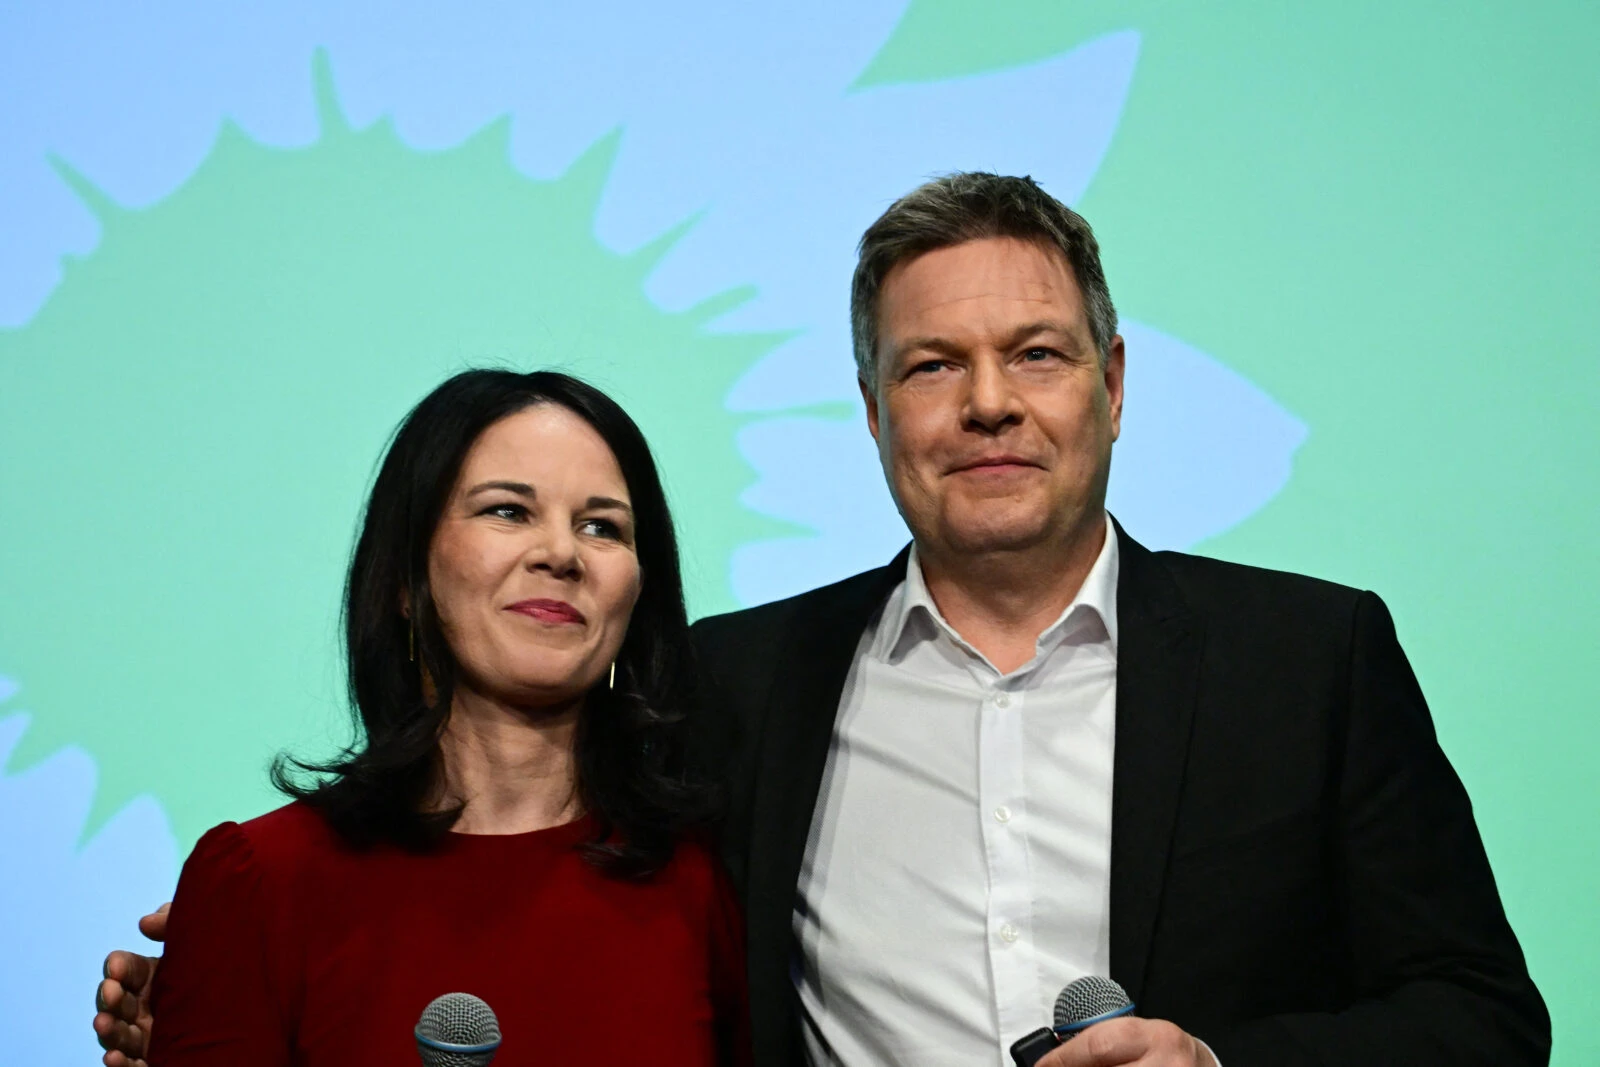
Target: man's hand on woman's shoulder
(122,1000)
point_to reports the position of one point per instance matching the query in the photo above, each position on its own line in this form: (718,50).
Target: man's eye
(1039,355)
(928,366)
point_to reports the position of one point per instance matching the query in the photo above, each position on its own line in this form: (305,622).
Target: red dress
(285,946)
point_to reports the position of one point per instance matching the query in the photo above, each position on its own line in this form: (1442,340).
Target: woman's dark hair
(630,764)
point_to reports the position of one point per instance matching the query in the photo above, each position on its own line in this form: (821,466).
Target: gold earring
(611,682)
(411,642)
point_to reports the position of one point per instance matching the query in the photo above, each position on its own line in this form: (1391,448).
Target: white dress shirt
(957,873)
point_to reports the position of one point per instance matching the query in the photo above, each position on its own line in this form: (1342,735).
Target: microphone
(1084,1002)
(457,1030)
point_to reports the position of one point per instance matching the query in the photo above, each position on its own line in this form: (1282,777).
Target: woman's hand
(122,1000)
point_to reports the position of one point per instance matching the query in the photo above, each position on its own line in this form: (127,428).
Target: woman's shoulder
(296,826)
(296,821)
(696,852)
(281,842)
(695,871)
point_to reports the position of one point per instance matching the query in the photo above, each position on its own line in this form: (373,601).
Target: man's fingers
(154,925)
(129,1008)
(122,1041)
(113,1000)
(115,1035)
(121,1023)
(1115,1042)
(105,1028)
(130,969)
(1107,1044)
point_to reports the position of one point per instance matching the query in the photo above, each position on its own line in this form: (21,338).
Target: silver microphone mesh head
(1087,998)
(457,1030)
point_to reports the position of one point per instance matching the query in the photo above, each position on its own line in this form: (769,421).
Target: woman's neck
(515,769)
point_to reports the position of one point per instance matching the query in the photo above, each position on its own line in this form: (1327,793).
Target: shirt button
(1009,933)
(1002,701)
(1002,814)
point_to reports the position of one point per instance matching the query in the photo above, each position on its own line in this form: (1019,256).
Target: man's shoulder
(815,606)
(1211,576)
(742,655)
(1218,589)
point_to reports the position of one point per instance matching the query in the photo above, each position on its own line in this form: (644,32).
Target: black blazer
(1296,877)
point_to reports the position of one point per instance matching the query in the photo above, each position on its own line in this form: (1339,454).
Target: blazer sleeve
(1439,976)
(214,1001)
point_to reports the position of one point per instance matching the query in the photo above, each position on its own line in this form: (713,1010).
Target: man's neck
(1001,602)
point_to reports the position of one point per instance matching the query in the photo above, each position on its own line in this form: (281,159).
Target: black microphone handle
(1027,1051)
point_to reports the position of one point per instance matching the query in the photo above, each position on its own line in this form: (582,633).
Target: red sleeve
(213,1001)
(730,996)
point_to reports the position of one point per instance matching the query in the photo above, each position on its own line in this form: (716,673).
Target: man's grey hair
(970,206)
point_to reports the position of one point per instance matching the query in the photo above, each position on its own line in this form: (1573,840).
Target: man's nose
(992,400)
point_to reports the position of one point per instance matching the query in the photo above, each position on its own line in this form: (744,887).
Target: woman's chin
(532,691)
(553,694)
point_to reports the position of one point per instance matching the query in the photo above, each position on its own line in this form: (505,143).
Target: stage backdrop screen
(1354,246)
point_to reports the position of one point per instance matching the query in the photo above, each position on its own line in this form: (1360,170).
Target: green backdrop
(219,300)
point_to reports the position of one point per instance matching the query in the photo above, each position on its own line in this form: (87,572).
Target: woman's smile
(555,612)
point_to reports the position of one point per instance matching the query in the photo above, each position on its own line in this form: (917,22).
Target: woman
(513,822)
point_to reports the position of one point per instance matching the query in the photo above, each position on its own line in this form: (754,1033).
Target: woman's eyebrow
(519,488)
(609,502)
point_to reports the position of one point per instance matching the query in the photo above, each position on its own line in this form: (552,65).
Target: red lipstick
(557,612)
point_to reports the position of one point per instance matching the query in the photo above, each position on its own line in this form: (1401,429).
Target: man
(1029,749)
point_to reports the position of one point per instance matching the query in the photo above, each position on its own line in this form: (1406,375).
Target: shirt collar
(911,611)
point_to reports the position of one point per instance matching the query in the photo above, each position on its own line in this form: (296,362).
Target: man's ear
(1116,363)
(871,400)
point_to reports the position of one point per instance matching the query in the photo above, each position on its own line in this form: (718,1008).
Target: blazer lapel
(821,642)
(1158,665)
